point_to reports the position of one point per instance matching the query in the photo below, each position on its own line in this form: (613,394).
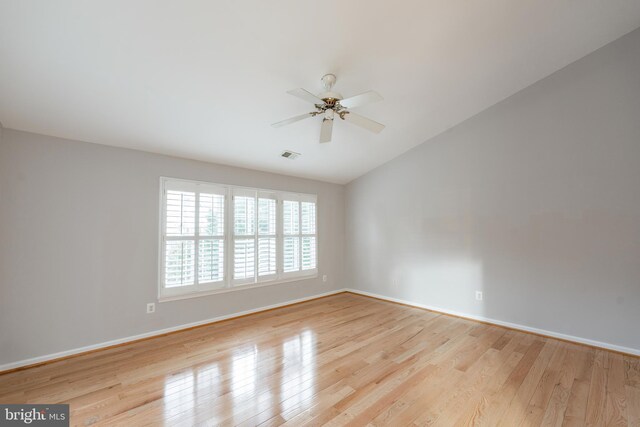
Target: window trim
(228,284)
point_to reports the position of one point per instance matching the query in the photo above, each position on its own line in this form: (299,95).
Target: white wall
(79,244)
(535,201)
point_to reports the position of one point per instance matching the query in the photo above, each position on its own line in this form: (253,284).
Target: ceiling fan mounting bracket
(328,80)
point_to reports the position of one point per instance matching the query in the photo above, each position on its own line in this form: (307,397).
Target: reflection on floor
(339,360)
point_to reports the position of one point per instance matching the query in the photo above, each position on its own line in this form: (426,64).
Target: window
(193,238)
(299,231)
(216,238)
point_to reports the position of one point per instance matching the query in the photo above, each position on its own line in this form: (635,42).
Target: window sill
(168,298)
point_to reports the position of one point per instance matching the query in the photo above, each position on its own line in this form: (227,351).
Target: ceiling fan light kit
(330,104)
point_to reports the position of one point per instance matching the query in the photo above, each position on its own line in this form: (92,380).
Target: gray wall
(535,201)
(79,243)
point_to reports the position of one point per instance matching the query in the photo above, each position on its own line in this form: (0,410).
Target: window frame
(228,284)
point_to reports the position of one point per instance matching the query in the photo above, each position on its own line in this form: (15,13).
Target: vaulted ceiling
(204,79)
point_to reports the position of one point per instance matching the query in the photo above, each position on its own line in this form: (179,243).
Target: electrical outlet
(479,295)
(151,307)
(324,277)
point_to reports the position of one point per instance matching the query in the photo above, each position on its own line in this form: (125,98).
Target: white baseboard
(579,340)
(79,350)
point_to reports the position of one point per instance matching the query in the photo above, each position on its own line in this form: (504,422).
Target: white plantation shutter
(211,233)
(266,256)
(211,215)
(244,215)
(260,236)
(244,259)
(291,254)
(266,235)
(308,232)
(193,237)
(180,263)
(180,226)
(308,251)
(211,260)
(255,239)
(244,236)
(308,217)
(181,213)
(299,235)
(291,217)
(291,231)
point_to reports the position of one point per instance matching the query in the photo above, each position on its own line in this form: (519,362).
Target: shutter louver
(291,217)
(211,251)
(291,244)
(211,215)
(244,215)
(244,258)
(308,230)
(180,253)
(266,236)
(266,256)
(211,260)
(308,253)
(181,213)
(244,228)
(179,263)
(308,218)
(291,254)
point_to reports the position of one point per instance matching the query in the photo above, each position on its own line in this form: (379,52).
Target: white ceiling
(204,79)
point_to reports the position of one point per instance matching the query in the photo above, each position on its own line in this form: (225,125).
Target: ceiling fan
(331,104)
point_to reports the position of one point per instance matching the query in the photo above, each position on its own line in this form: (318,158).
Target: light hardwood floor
(340,360)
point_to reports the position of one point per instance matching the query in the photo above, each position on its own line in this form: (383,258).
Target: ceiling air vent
(289,154)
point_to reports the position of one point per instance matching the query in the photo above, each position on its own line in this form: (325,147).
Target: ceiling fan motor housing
(330,98)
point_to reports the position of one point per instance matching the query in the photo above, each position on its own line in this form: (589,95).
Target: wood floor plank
(554,411)
(340,360)
(616,406)
(597,391)
(503,398)
(633,405)
(475,410)
(489,372)
(632,371)
(576,411)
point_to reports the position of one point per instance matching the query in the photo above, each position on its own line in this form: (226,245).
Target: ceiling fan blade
(325,130)
(306,95)
(361,121)
(291,120)
(362,99)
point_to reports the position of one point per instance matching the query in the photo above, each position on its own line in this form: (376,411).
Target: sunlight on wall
(435,281)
